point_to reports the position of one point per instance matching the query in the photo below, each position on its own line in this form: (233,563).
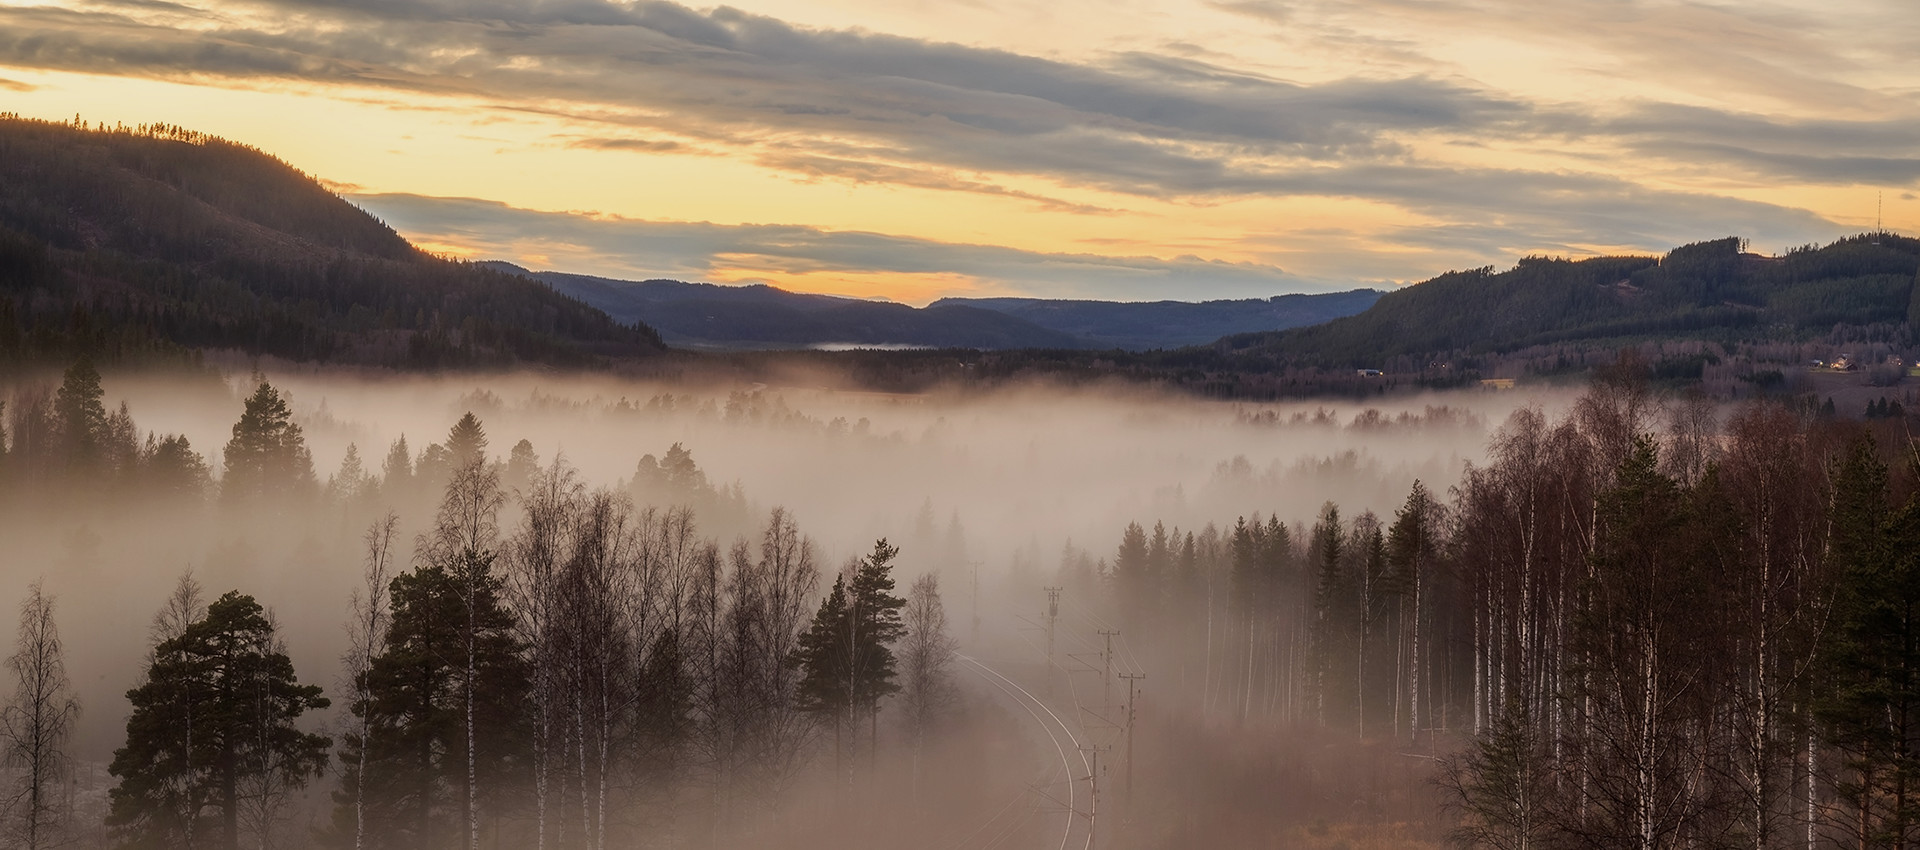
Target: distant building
(1497,383)
(1371,373)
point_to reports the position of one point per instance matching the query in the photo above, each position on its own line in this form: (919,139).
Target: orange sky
(1118,149)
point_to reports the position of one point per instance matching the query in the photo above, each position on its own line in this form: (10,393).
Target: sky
(1112,149)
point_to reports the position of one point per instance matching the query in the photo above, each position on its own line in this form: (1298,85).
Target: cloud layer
(1692,135)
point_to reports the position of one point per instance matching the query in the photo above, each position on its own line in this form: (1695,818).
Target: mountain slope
(1707,290)
(135,242)
(759,316)
(1170,324)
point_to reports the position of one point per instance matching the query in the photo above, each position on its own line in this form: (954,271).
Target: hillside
(705,315)
(1708,290)
(1171,324)
(158,241)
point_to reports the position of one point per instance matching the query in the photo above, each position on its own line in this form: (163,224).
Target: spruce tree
(1868,701)
(825,686)
(396,473)
(467,441)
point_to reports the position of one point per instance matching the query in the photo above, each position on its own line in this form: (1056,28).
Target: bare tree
(366,640)
(464,539)
(36,724)
(789,580)
(185,606)
(595,597)
(927,690)
(272,778)
(535,556)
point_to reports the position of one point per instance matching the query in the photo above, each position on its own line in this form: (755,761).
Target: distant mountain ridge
(758,316)
(1172,324)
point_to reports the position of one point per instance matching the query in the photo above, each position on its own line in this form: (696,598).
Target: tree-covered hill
(1709,290)
(135,242)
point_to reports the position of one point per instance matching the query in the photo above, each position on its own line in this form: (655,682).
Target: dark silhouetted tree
(225,682)
(267,458)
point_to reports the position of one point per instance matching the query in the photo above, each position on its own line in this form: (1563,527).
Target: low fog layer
(1021,472)
(1000,494)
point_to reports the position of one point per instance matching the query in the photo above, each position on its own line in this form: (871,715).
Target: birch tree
(36,726)
(369,618)
(927,690)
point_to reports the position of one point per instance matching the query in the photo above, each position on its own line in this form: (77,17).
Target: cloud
(871,108)
(1880,151)
(635,145)
(1137,123)
(16,85)
(638,249)
(867,171)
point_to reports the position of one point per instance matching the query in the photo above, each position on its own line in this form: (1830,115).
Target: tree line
(1635,626)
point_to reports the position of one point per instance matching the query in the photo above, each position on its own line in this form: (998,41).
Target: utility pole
(1093,782)
(1106,680)
(1053,613)
(1133,679)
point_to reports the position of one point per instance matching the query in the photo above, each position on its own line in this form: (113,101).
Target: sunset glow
(1121,150)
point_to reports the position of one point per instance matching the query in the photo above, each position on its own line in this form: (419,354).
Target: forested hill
(1707,290)
(136,242)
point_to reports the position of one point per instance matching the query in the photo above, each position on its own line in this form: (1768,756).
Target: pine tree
(80,417)
(174,472)
(874,622)
(267,457)
(522,464)
(411,766)
(445,702)
(228,668)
